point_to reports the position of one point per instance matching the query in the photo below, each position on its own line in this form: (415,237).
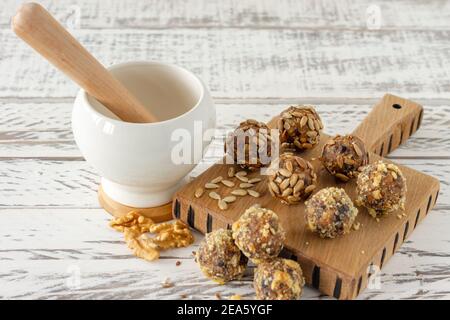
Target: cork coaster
(157,214)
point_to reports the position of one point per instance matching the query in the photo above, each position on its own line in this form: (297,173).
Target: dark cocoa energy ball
(330,212)
(249,145)
(381,188)
(299,127)
(278,279)
(343,156)
(259,234)
(219,258)
(292,180)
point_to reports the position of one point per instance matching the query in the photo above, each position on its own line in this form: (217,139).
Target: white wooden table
(257,57)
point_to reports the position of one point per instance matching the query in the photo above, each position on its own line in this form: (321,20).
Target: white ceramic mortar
(134,159)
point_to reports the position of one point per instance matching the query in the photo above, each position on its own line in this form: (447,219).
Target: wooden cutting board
(337,267)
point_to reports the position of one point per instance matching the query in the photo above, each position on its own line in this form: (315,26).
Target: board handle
(390,123)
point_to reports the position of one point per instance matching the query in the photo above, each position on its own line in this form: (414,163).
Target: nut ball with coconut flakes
(259,234)
(219,258)
(381,188)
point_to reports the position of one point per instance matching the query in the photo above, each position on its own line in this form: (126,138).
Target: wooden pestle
(35,25)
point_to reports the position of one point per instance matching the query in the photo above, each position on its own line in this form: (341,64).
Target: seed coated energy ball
(299,127)
(259,234)
(381,188)
(330,212)
(219,258)
(294,179)
(343,156)
(249,145)
(279,279)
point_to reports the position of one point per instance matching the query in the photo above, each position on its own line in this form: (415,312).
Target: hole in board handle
(396,106)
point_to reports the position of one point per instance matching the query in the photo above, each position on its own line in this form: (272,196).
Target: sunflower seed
(254,180)
(228,183)
(289,166)
(303,121)
(241,173)
(318,125)
(222,205)
(230,172)
(253,193)
(287,192)
(293,199)
(199,192)
(394,175)
(310,188)
(340,161)
(239,192)
(285,172)
(311,134)
(246,185)
(357,149)
(293,180)
(301,162)
(342,177)
(217,180)
(214,195)
(274,187)
(311,123)
(284,184)
(286,115)
(211,186)
(299,186)
(229,199)
(242,178)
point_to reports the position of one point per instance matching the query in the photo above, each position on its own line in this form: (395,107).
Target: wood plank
(43,129)
(45,269)
(27,183)
(241,63)
(248,14)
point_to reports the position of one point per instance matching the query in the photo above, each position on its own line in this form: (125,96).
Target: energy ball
(343,156)
(249,145)
(299,127)
(330,213)
(293,180)
(219,258)
(259,234)
(279,279)
(381,188)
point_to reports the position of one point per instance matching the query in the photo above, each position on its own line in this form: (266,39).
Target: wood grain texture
(45,269)
(238,64)
(32,129)
(145,14)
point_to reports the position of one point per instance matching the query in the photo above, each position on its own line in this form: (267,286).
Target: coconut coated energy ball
(279,279)
(381,188)
(219,258)
(330,212)
(343,156)
(259,234)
